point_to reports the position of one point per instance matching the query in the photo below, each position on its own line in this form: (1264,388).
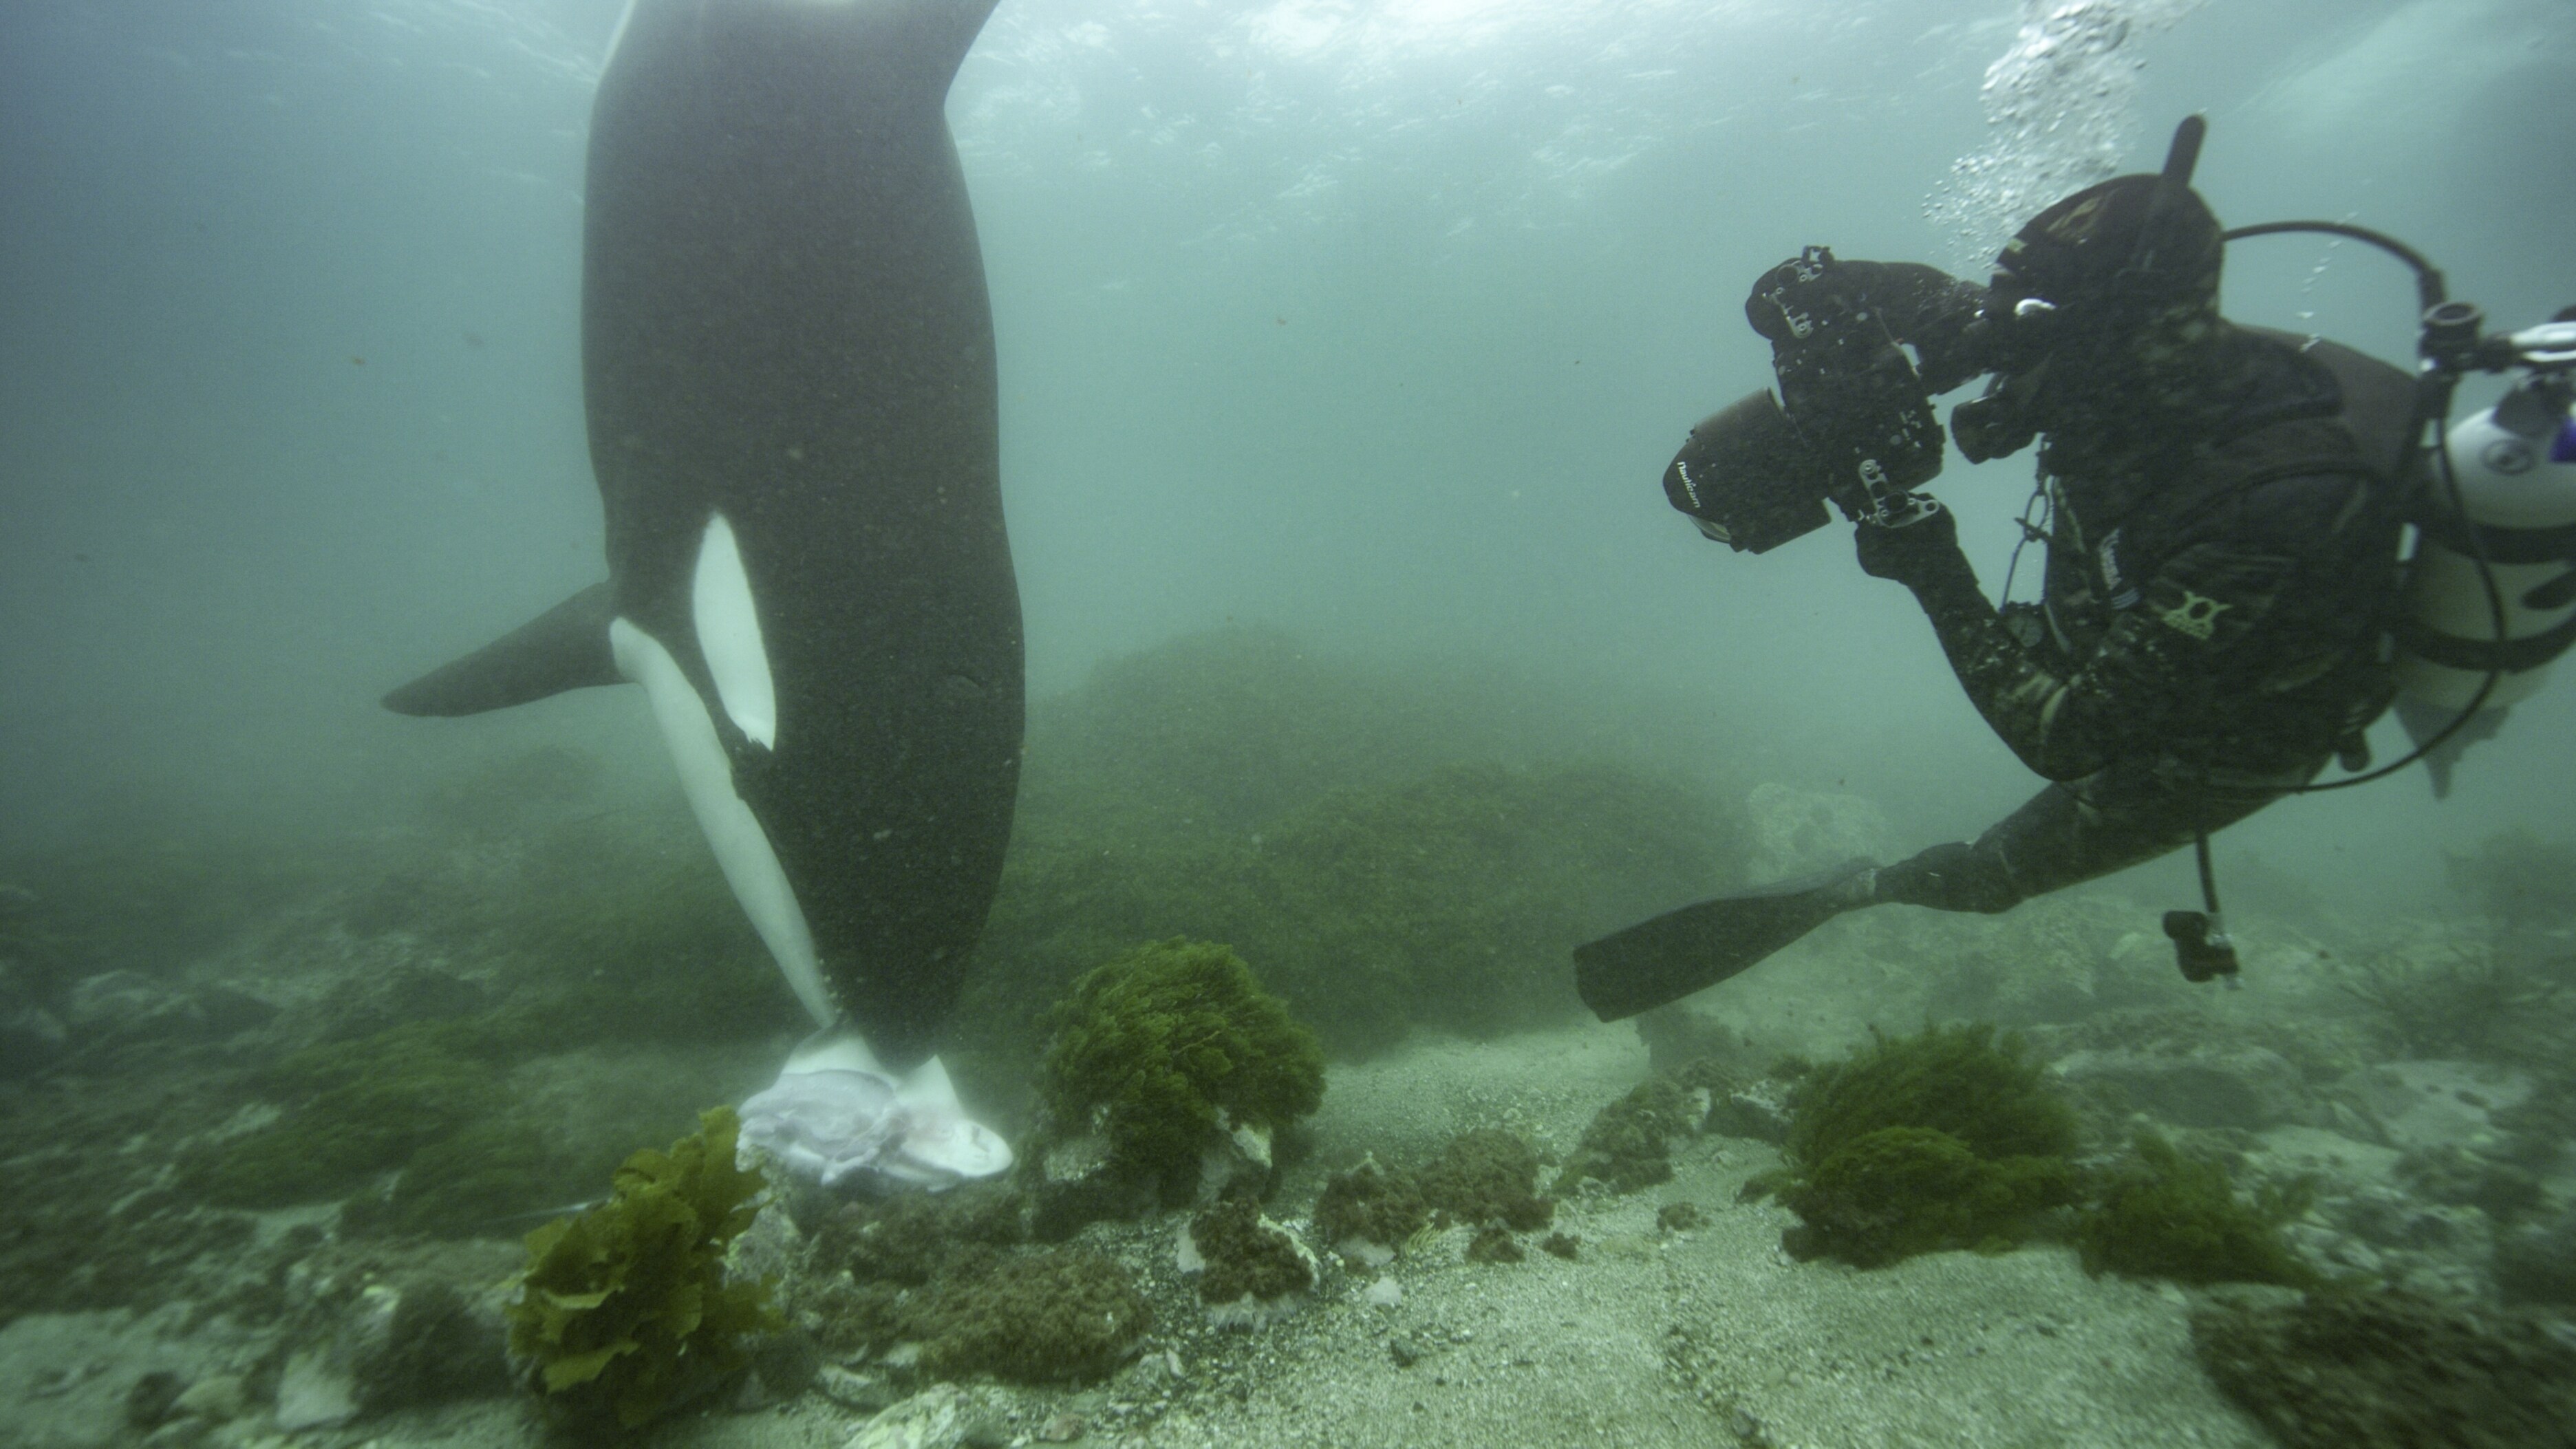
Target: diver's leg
(2119,817)
(2066,833)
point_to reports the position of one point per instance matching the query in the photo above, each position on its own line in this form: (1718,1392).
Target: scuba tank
(2483,617)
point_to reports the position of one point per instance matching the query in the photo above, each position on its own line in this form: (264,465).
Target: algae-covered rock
(379,1000)
(1488,1176)
(1392,849)
(486,1174)
(2339,1370)
(626,1309)
(1628,1145)
(1249,1268)
(2166,1215)
(1370,1211)
(1042,1316)
(353,1109)
(908,1238)
(1171,1047)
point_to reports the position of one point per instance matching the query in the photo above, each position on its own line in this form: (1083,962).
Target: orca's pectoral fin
(566,647)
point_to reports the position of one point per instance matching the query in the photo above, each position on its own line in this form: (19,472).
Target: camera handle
(1891,506)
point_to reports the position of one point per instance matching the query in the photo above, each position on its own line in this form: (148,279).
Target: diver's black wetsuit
(2222,539)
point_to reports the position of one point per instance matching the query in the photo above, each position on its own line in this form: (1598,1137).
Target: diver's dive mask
(2084,281)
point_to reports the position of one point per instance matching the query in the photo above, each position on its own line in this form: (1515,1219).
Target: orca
(788,374)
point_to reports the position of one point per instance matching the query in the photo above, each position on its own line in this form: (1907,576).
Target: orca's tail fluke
(566,647)
(1679,952)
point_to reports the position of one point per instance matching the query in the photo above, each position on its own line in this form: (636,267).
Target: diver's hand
(1916,554)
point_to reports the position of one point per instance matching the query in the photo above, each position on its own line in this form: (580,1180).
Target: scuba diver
(2222,508)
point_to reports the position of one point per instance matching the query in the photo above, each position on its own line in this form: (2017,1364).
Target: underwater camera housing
(1852,422)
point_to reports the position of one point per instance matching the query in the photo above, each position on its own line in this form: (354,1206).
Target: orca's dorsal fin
(566,647)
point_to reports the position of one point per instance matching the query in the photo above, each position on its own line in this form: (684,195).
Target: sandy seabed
(1649,1337)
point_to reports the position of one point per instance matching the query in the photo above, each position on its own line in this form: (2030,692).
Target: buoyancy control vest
(2303,409)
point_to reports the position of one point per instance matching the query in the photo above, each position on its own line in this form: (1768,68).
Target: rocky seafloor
(271,1329)
(2406,1088)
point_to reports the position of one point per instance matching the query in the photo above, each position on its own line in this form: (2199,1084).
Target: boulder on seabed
(2249,1088)
(1073,1181)
(943,1416)
(2433,1103)
(2535,1262)
(396,1348)
(1757,1109)
(131,1006)
(1799,832)
(1238,1161)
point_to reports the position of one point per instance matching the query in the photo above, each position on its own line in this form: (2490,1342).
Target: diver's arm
(2063,724)
(2023,701)
(2209,634)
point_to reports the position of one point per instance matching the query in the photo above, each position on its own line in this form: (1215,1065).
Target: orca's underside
(789,377)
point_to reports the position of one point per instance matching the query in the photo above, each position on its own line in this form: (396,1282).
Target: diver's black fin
(566,647)
(1679,952)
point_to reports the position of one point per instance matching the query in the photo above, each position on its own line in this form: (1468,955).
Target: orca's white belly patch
(728,621)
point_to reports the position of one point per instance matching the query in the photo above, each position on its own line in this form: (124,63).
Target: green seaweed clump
(625,1309)
(1628,1144)
(1924,1143)
(2166,1215)
(2338,1370)
(1488,1176)
(1900,1191)
(1045,1316)
(1956,1079)
(1169,1046)
(1372,1204)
